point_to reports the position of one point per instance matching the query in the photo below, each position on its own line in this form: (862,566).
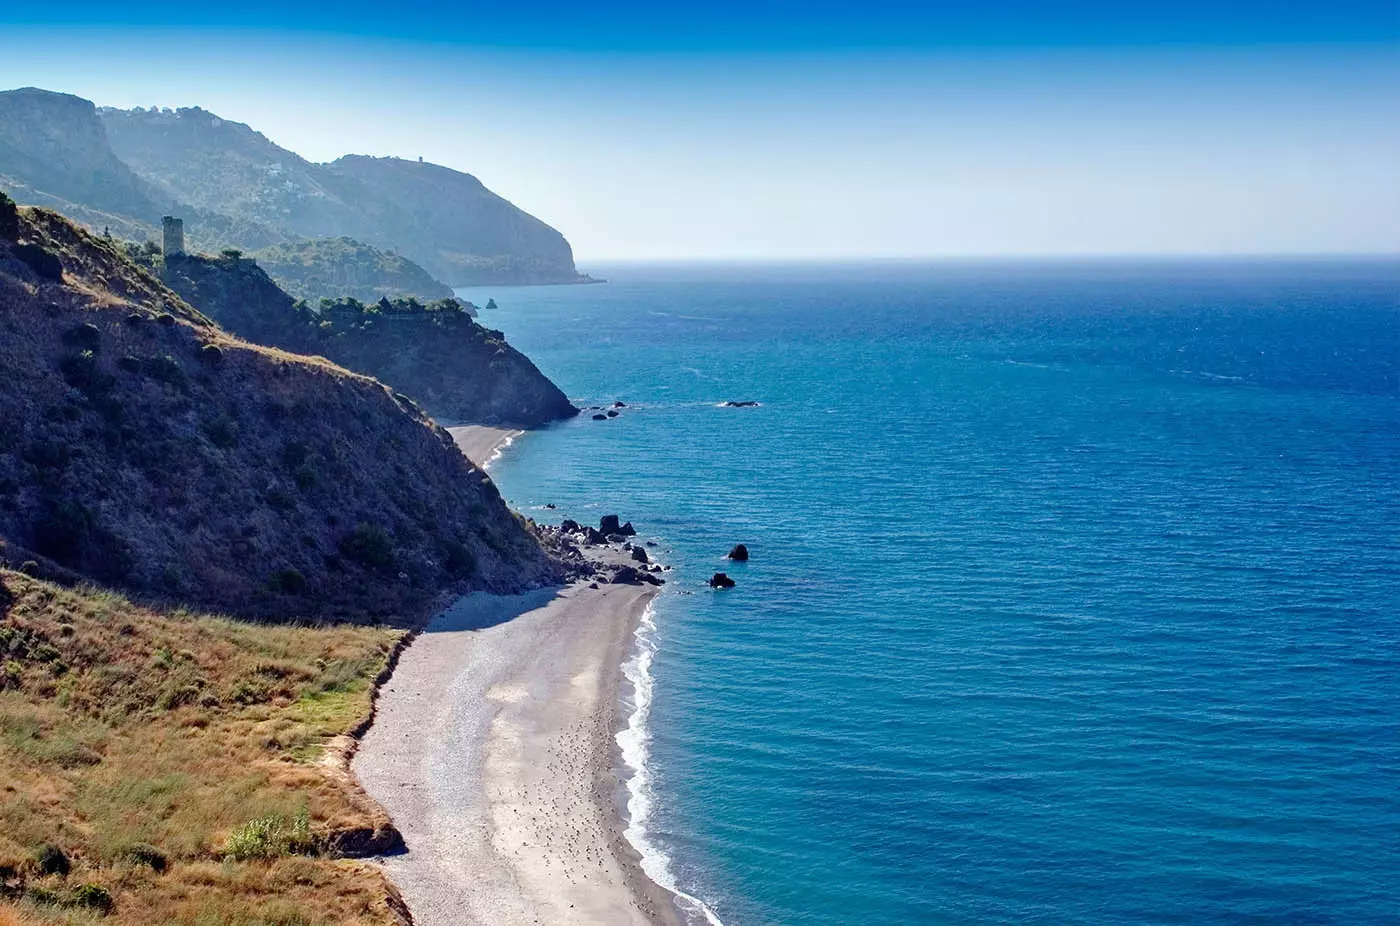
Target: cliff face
(442,219)
(54,152)
(457,228)
(456,369)
(147,449)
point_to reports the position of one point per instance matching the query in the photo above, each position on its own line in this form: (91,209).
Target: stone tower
(174,236)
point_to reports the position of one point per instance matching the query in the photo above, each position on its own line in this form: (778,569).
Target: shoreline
(483,444)
(495,751)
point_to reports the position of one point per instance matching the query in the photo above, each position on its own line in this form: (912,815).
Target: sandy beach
(480,443)
(493,750)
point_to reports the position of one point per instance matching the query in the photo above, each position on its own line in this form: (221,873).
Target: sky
(765,130)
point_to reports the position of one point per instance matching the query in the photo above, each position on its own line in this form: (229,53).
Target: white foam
(497,452)
(634,742)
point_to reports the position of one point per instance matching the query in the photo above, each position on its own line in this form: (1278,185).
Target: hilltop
(433,352)
(152,451)
(333,268)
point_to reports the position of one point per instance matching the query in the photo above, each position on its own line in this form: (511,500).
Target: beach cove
(494,750)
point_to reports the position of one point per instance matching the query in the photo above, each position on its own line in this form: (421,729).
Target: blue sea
(1075,589)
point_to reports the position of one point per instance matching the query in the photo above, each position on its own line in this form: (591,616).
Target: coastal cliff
(151,451)
(435,353)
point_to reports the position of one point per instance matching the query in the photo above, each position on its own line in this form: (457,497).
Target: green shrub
(270,837)
(9,217)
(211,355)
(166,369)
(145,854)
(53,861)
(90,896)
(368,545)
(44,263)
(458,560)
(222,433)
(84,337)
(288,582)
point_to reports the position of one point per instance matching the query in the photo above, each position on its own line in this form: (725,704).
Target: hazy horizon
(858,135)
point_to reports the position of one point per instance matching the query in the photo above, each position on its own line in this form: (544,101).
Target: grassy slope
(128,736)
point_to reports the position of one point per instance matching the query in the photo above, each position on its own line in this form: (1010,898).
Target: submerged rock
(742,403)
(740,553)
(600,417)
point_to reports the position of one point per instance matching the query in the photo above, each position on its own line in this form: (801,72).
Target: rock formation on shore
(149,450)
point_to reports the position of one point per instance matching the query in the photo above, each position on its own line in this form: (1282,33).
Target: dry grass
(138,743)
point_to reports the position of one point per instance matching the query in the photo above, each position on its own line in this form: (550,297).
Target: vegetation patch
(163,768)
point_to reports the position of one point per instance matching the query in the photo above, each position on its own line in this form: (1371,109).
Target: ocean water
(1075,590)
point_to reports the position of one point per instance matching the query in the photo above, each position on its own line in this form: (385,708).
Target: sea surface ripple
(1074,586)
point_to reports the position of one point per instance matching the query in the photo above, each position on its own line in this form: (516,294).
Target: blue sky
(761,130)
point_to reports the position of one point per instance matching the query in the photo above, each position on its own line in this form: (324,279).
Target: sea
(1074,590)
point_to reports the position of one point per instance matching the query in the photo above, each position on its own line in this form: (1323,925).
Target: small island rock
(740,553)
(721,580)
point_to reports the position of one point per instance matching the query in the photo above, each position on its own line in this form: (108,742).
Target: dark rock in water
(595,408)
(550,506)
(570,526)
(619,405)
(600,417)
(651,543)
(611,413)
(744,403)
(640,555)
(740,554)
(721,580)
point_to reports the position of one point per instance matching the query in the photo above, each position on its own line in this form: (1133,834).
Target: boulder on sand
(640,555)
(721,580)
(740,553)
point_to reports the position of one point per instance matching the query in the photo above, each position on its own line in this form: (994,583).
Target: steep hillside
(436,354)
(151,451)
(446,221)
(332,268)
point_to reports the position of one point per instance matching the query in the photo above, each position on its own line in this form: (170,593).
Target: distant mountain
(123,169)
(440,218)
(331,268)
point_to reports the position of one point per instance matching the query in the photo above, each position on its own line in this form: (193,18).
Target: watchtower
(174,230)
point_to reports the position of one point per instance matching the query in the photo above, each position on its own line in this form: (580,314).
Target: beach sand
(480,443)
(494,751)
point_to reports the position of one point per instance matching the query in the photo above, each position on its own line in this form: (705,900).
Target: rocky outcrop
(720,580)
(740,553)
(149,450)
(447,363)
